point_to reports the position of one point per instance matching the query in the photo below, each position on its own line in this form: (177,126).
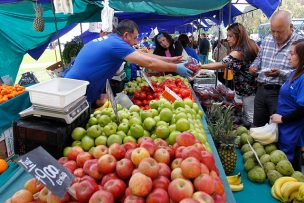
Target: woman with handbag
(290,111)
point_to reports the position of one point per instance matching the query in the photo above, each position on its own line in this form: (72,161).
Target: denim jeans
(203,58)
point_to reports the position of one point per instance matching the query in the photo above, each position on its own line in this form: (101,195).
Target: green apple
(66,151)
(110,129)
(134,114)
(153,104)
(101,140)
(159,123)
(134,108)
(134,120)
(172,127)
(162,131)
(146,133)
(86,143)
(165,104)
(129,139)
(96,113)
(119,107)
(121,134)
(114,139)
(178,103)
(172,137)
(91,150)
(123,127)
(154,112)
(137,130)
(104,120)
(93,121)
(188,102)
(76,143)
(166,115)
(156,118)
(122,114)
(179,110)
(125,121)
(154,136)
(195,107)
(145,114)
(138,79)
(180,115)
(94,131)
(107,111)
(113,117)
(200,112)
(149,123)
(78,133)
(182,125)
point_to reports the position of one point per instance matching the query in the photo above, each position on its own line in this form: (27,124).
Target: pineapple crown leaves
(219,119)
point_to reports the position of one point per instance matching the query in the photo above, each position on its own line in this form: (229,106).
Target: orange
(3,165)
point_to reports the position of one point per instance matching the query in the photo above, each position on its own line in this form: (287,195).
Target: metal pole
(229,22)
(55,20)
(81,28)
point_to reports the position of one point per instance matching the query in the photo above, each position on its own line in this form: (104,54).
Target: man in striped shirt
(272,66)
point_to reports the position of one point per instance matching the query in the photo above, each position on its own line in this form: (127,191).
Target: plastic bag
(266,134)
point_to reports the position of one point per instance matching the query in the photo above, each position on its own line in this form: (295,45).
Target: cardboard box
(7,144)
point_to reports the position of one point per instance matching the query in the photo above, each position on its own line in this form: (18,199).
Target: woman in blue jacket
(184,40)
(290,111)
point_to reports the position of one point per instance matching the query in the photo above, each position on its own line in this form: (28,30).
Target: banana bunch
(107,104)
(235,182)
(288,189)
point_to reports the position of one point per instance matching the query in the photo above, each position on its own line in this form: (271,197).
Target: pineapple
(38,23)
(220,124)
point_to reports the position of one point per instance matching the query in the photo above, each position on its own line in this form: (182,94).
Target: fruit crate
(52,135)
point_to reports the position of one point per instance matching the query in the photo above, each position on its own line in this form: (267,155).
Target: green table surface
(252,192)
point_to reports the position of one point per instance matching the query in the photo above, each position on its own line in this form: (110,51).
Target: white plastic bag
(266,134)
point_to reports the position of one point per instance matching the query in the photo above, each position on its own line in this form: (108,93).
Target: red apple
(144,139)
(199,146)
(72,154)
(177,173)
(33,185)
(99,151)
(79,172)
(179,151)
(176,163)
(106,164)
(138,155)
(203,197)
(134,199)
(158,195)
(70,165)
(86,177)
(218,198)
(191,151)
(148,145)
(22,196)
(129,145)
(185,139)
(219,186)
(180,189)
(94,172)
(161,182)
(83,157)
(164,170)
(204,183)
(124,168)
(160,142)
(115,186)
(52,198)
(87,165)
(149,167)
(175,146)
(117,150)
(208,159)
(102,196)
(63,160)
(191,167)
(42,197)
(140,184)
(161,155)
(108,177)
(84,190)
(189,200)
(171,152)
(129,153)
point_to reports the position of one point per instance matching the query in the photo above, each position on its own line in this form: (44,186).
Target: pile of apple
(149,171)
(163,120)
(143,96)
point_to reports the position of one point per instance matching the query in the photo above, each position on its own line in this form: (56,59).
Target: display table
(252,192)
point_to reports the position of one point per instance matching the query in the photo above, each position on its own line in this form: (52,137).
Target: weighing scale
(67,114)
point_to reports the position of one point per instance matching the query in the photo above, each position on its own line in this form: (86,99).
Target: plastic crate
(58,92)
(52,135)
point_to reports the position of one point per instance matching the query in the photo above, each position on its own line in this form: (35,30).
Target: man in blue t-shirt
(99,59)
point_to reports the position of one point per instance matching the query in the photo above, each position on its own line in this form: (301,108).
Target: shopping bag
(266,134)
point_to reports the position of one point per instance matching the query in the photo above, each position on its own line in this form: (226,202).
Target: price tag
(147,79)
(170,95)
(40,164)
(255,154)
(112,100)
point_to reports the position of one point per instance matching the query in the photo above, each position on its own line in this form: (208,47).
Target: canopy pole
(81,28)
(229,22)
(57,34)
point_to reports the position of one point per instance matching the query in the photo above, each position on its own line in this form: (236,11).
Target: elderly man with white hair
(272,66)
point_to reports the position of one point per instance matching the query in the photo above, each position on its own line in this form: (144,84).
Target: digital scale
(67,114)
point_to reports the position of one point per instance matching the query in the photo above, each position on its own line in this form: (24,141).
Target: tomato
(176,90)
(143,95)
(136,95)
(145,102)
(185,92)
(149,97)
(138,102)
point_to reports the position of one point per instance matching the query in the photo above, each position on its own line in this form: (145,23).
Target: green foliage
(71,49)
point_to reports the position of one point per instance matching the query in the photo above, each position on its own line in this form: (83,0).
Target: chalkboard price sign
(40,164)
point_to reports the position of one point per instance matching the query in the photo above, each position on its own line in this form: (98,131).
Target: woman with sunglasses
(243,52)
(290,111)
